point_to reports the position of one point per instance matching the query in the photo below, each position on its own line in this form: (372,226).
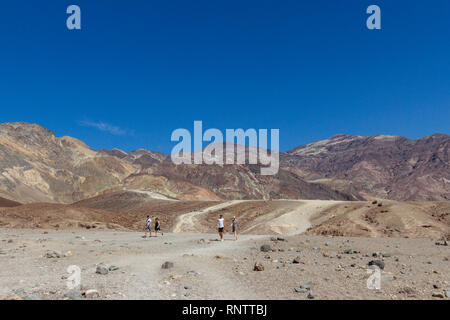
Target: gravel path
(204,268)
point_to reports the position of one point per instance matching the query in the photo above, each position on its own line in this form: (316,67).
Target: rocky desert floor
(124,265)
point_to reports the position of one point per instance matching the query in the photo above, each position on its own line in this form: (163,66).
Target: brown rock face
(380,166)
(36,166)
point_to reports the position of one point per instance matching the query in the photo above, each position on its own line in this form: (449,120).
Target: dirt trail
(293,222)
(204,268)
(151,194)
(186,222)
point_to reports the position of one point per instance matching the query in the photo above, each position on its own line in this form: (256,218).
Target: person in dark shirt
(234,227)
(158,227)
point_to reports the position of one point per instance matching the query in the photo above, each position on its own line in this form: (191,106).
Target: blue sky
(140,69)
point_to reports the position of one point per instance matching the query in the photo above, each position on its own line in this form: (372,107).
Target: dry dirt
(330,241)
(205,268)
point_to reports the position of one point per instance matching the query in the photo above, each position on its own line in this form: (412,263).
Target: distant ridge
(37,166)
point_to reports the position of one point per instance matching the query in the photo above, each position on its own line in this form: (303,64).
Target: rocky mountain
(37,166)
(381,166)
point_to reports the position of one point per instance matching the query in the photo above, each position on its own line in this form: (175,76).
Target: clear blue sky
(140,69)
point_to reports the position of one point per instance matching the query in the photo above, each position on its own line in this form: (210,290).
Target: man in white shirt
(148,226)
(220,226)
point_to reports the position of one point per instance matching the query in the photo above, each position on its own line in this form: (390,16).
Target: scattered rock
(113,268)
(192,272)
(54,254)
(281,239)
(296,260)
(310,295)
(68,254)
(265,248)
(73,295)
(167,265)
(101,270)
(91,294)
(378,263)
(301,290)
(437,295)
(258,267)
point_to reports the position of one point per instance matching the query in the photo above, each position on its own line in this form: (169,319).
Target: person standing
(234,227)
(220,226)
(148,226)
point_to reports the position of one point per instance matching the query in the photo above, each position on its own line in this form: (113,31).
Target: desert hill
(380,166)
(37,166)
(127,210)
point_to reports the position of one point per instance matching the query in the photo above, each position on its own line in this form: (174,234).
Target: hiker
(148,226)
(220,226)
(234,227)
(158,227)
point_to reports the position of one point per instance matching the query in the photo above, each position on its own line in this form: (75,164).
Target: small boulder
(91,294)
(265,248)
(53,254)
(258,267)
(101,270)
(167,265)
(73,295)
(378,263)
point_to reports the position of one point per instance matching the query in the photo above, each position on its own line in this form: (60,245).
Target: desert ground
(302,249)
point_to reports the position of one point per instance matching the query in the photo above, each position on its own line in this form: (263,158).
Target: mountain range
(37,166)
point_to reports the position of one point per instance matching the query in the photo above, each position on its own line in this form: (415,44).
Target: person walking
(158,227)
(234,227)
(148,226)
(220,226)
